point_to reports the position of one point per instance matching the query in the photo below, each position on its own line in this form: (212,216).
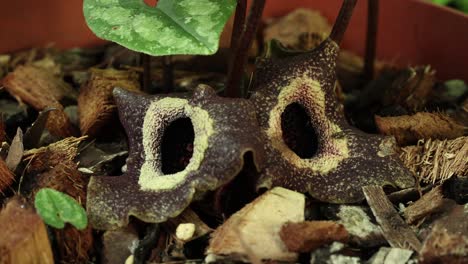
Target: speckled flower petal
(172,27)
(344,159)
(224,130)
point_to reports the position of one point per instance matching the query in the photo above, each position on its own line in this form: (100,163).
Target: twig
(145,61)
(342,20)
(371,38)
(168,74)
(240,53)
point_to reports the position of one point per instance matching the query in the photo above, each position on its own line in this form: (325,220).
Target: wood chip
(435,161)
(361,228)
(24,236)
(448,240)
(15,153)
(423,125)
(253,232)
(431,202)
(309,235)
(6,176)
(41,89)
(96,104)
(387,255)
(395,229)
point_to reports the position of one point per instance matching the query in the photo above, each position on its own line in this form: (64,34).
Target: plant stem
(240,52)
(145,61)
(371,38)
(342,20)
(239,22)
(168,74)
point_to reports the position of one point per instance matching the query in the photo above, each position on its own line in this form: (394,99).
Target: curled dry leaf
(310,235)
(409,129)
(41,89)
(180,146)
(95,103)
(6,176)
(288,29)
(44,158)
(435,161)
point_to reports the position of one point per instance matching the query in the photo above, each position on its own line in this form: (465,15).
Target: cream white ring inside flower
(159,115)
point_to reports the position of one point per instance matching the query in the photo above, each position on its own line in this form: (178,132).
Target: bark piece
(288,28)
(15,153)
(119,245)
(448,240)
(24,236)
(310,235)
(387,255)
(6,176)
(74,246)
(431,202)
(96,104)
(160,183)
(44,158)
(41,89)
(423,125)
(435,161)
(254,230)
(395,229)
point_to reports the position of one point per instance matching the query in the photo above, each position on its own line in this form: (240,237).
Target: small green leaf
(57,208)
(441,2)
(172,27)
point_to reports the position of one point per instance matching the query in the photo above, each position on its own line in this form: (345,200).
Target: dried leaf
(409,129)
(96,104)
(41,89)
(33,134)
(310,235)
(15,154)
(435,161)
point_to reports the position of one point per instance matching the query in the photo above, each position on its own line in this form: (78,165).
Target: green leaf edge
(211,49)
(47,195)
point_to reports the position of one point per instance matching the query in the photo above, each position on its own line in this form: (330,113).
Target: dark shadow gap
(298,132)
(177,145)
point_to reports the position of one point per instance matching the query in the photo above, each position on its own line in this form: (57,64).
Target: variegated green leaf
(172,27)
(57,208)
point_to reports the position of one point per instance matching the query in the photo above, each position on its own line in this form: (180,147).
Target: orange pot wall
(410,31)
(29,23)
